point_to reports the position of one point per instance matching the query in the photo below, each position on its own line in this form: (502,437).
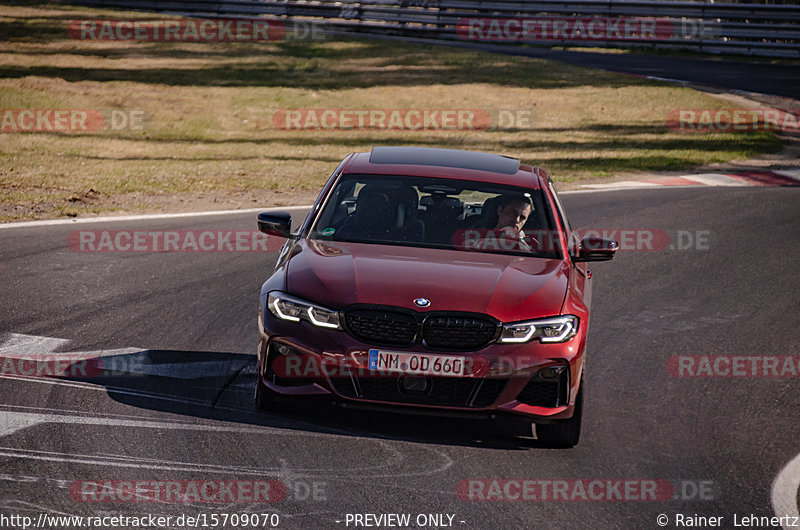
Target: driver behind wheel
(513,210)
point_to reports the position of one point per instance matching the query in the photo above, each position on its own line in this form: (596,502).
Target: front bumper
(502,379)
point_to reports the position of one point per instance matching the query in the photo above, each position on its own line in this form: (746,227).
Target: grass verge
(209,139)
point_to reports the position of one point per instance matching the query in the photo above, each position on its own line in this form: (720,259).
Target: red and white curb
(784,177)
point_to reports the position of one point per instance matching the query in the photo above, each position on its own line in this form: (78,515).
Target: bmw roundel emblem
(422,302)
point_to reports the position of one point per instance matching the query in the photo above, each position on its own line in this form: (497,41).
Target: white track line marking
(633,188)
(14,343)
(129,360)
(116,390)
(145,217)
(791,173)
(186,370)
(785,490)
(623,184)
(11,422)
(715,179)
(706,179)
(667,80)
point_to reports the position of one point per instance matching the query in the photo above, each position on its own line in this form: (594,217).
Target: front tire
(564,433)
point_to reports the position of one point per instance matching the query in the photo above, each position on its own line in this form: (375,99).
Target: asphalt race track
(757,77)
(176,333)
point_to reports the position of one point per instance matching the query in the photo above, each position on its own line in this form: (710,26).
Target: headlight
(294,309)
(556,329)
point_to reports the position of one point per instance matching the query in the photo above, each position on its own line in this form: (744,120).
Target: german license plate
(416,363)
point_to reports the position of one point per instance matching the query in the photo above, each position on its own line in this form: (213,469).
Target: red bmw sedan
(437,280)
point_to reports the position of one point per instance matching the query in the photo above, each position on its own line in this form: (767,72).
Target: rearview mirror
(275,224)
(594,248)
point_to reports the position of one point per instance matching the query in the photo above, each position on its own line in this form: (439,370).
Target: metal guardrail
(752,29)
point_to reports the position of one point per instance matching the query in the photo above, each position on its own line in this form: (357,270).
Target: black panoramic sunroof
(427,156)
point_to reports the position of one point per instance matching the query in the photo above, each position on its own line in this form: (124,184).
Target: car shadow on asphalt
(219,386)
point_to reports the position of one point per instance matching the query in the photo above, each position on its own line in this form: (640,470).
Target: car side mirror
(275,224)
(594,248)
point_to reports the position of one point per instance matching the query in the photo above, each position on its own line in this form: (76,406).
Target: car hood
(507,287)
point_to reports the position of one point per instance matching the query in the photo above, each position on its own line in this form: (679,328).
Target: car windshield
(438,213)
